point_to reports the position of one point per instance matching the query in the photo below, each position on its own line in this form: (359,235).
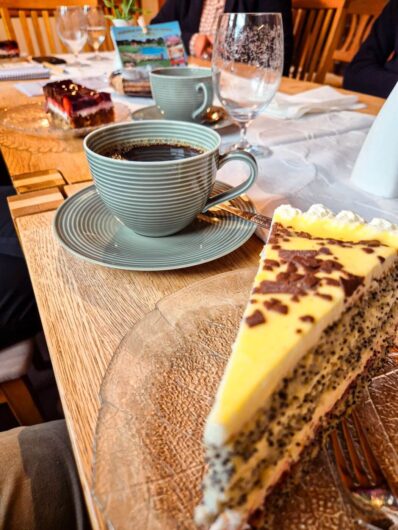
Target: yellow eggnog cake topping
(314,265)
(321,222)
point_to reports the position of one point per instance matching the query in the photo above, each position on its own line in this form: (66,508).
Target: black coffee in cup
(154,152)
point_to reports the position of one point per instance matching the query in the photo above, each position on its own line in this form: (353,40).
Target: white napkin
(271,132)
(322,99)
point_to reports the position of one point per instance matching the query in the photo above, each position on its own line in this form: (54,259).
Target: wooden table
(86,310)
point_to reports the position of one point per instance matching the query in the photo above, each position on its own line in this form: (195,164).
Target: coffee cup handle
(243,156)
(201,87)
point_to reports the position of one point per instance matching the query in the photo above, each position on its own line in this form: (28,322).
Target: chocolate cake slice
(8,49)
(323,310)
(75,106)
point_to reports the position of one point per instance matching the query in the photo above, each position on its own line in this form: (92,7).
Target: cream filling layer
(56,109)
(104,105)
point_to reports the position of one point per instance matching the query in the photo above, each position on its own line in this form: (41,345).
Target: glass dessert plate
(32,119)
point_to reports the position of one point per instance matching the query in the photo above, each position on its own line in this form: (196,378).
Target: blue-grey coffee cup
(182,93)
(155,198)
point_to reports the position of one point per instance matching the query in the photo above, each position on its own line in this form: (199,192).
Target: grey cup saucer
(153,113)
(85,228)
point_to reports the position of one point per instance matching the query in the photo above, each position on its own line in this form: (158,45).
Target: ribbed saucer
(85,228)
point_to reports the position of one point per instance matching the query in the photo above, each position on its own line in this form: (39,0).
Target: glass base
(259,151)
(78,64)
(98,58)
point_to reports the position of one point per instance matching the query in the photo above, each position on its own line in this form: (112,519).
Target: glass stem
(243,143)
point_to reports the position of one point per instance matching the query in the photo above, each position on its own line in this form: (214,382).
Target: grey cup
(182,93)
(160,198)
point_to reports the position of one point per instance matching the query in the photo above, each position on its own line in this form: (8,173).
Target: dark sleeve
(286,10)
(367,72)
(169,12)
(5,179)
(19,318)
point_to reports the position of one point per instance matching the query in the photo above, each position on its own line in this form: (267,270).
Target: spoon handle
(256,218)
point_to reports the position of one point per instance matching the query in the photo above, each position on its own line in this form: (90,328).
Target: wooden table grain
(86,310)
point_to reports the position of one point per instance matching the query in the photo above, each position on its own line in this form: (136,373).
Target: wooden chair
(14,390)
(358,19)
(316,26)
(36,25)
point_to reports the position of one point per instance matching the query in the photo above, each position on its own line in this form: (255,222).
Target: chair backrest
(32,21)
(358,19)
(316,26)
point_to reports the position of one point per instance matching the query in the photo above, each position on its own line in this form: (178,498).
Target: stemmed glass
(247,67)
(96,30)
(71,25)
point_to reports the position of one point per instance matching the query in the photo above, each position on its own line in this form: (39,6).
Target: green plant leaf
(130,6)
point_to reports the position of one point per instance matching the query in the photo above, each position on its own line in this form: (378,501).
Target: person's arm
(169,12)
(367,72)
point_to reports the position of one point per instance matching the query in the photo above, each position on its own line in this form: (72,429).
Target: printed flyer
(156,46)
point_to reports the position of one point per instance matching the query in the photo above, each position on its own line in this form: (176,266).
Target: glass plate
(33,120)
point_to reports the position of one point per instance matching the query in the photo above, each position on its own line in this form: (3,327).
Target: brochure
(154,46)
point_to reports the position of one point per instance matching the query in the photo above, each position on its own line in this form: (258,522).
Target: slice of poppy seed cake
(322,309)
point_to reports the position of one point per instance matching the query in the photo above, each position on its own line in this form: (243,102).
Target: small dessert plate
(32,119)
(220,121)
(84,227)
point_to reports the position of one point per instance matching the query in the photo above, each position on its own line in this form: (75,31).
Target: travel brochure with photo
(159,45)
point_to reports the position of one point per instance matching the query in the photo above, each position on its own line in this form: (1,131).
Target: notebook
(155,46)
(22,71)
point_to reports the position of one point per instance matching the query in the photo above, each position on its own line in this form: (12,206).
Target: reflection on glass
(71,23)
(96,30)
(247,66)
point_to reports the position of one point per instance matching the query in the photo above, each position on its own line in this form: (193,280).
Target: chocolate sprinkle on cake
(255,319)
